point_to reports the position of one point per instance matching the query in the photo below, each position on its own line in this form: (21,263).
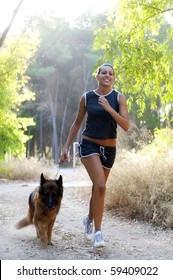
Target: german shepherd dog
(44,205)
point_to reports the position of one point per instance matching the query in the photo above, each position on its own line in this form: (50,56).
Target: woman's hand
(64,156)
(104,102)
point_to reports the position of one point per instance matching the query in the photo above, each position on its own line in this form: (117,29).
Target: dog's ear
(42,179)
(59,182)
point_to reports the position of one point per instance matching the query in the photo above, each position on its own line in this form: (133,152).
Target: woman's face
(106,76)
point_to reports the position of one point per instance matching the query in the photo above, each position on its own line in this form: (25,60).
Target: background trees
(138,40)
(60,73)
(14,60)
(58,68)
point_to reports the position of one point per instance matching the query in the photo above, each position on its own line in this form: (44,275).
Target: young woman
(105,109)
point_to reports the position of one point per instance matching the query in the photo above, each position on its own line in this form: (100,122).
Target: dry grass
(24,169)
(142,187)
(139,186)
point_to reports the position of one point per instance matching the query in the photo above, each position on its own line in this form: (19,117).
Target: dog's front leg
(42,232)
(49,231)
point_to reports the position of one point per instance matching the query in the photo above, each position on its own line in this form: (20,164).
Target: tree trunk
(64,116)
(53,96)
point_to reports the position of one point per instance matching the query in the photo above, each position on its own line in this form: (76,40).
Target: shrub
(23,169)
(141,186)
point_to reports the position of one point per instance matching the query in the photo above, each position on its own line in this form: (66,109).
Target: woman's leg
(98,176)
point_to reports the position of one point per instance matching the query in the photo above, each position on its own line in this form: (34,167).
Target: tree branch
(7,29)
(146,19)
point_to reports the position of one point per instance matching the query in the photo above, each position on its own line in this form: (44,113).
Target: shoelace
(98,237)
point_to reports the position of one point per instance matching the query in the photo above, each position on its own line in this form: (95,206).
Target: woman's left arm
(122,117)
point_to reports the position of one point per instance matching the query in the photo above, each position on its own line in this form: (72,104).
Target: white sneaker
(98,239)
(88,228)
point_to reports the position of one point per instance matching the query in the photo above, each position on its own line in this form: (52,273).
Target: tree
(143,58)
(14,59)
(60,73)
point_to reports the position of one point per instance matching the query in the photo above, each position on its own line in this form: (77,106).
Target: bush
(24,169)
(141,184)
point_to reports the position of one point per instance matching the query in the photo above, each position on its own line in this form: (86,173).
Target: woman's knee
(100,187)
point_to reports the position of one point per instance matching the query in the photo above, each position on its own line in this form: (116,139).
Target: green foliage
(151,118)
(14,59)
(138,41)
(5,171)
(60,72)
(162,145)
(41,71)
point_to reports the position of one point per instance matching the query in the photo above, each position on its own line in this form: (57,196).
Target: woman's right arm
(74,129)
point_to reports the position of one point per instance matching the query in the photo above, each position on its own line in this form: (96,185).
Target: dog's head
(51,191)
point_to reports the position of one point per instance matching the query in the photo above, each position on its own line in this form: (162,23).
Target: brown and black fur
(44,205)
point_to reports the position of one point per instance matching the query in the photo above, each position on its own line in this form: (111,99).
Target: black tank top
(100,124)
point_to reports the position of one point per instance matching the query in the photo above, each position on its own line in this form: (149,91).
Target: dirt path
(128,240)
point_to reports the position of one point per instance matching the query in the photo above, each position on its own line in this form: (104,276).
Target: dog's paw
(50,243)
(44,243)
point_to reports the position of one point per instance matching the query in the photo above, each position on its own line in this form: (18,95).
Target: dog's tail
(25,221)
